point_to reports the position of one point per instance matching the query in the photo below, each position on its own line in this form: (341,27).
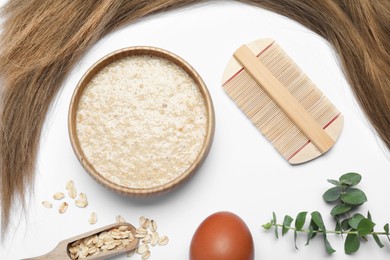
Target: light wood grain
(281,101)
(286,102)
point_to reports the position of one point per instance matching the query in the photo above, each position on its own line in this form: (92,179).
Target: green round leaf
(317,219)
(352,244)
(274,221)
(286,224)
(334,182)
(355,220)
(350,178)
(329,249)
(332,194)
(345,225)
(340,209)
(354,197)
(378,241)
(295,239)
(386,228)
(312,234)
(365,227)
(267,226)
(338,226)
(300,220)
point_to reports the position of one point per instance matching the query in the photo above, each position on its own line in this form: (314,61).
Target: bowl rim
(78,92)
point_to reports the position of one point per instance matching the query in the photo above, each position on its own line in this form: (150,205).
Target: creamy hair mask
(141,121)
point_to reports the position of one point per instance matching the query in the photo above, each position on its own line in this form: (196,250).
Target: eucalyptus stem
(327,231)
(346,198)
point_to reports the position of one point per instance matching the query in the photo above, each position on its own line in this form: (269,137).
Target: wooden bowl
(89,167)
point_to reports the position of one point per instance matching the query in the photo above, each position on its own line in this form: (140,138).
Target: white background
(243,173)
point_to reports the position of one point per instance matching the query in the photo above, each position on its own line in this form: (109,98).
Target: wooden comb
(281,101)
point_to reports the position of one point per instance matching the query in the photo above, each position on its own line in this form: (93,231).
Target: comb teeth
(266,115)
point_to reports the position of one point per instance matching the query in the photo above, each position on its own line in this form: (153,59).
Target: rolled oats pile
(113,239)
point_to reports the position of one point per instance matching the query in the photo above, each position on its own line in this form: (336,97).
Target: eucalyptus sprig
(346,198)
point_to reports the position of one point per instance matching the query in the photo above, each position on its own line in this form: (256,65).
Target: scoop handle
(59,252)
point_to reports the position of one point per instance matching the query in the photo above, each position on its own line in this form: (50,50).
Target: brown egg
(222,236)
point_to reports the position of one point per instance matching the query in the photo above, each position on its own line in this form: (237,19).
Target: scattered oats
(47,204)
(142,231)
(81,201)
(163,241)
(81,204)
(146,223)
(147,239)
(148,235)
(71,189)
(142,249)
(58,195)
(153,226)
(146,255)
(72,192)
(120,219)
(155,239)
(69,184)
(139,236)
(63,207)
(82,196)
(142,219)
(93,218)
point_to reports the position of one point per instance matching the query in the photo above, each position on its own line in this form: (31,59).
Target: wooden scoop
(61,251)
